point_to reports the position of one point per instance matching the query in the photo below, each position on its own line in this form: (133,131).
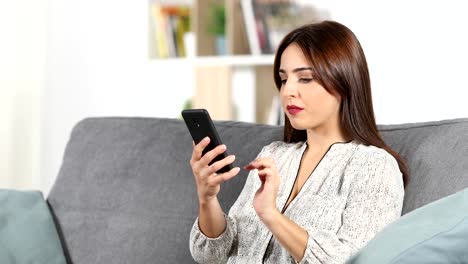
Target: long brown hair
(339,65)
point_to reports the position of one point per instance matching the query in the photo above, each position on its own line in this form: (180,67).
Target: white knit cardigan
(354,191)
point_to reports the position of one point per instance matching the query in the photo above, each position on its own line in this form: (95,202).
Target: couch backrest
(125,192)
(437,155)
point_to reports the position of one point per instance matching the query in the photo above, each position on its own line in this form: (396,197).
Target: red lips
(294,109)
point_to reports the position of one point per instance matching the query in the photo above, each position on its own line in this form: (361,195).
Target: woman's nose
(289,90)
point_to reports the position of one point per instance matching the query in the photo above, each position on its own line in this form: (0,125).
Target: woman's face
(298,88)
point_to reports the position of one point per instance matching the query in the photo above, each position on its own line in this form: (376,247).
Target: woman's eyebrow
(297,69)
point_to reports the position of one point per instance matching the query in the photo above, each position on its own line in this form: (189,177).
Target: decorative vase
(220,43)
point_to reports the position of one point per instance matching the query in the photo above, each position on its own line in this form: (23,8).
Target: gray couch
(125,192)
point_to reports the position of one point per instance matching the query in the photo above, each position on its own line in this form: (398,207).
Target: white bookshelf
(235,60)
(174,2)
(223,83)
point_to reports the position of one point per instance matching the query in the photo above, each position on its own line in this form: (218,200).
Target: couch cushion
(437,155)
(27,230)
(434,233)
(125,192)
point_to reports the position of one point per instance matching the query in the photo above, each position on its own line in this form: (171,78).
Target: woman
(329,187)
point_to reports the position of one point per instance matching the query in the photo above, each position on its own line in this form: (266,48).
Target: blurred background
(62,61)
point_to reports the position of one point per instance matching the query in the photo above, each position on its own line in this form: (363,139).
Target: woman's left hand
(265,197)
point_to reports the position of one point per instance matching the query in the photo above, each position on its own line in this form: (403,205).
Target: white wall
(97,64)
(22,61)
(417,54)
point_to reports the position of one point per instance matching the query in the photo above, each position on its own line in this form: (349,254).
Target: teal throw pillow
(27,230)
(434,233)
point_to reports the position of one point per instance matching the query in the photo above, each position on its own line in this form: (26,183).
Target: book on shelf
(268,21)
(168,24)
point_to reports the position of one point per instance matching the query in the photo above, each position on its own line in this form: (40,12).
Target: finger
(260,163)
(206,172)
(262,178)
(248,167)
(198,149)
(253,167)
(210,155)
(267,172)
(220,164)
(265,162)
(220,178)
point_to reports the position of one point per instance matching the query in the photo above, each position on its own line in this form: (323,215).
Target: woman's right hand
(207,180)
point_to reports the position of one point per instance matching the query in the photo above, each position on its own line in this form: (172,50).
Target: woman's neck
(320,142)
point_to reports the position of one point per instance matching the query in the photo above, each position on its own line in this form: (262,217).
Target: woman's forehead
(293,58)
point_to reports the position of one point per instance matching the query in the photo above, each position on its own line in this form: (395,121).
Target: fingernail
(205,139)
(223,147)
(232,157)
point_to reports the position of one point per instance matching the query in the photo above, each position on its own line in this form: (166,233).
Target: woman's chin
(297,126)
(303,124)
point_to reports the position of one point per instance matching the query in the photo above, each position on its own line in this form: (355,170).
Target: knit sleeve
(216,250)
(212,250)
(375,199)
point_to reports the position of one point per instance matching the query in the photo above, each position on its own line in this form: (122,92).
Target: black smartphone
(200,125)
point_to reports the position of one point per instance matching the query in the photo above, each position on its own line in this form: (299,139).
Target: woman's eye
(283,81)
(305,80)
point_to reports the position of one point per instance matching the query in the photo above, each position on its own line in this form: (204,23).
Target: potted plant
(217,26)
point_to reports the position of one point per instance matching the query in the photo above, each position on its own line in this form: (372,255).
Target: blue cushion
(27,231)
(435,233)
